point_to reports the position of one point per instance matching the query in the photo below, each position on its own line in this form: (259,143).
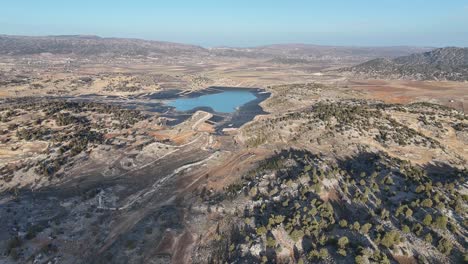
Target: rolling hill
(91,46)
(439,64)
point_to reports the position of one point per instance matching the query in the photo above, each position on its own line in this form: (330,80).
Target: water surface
(225,102)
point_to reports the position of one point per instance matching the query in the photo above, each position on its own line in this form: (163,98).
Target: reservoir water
(224,102)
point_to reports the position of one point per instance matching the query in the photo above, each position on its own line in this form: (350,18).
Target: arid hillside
(91,46)
(439,64)
(99,164)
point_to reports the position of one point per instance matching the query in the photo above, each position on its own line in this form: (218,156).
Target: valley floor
(336,170)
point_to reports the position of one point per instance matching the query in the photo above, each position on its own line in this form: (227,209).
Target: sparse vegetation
(314,221)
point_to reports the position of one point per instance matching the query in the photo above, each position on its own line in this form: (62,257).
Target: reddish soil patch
(454,94)
(330,195)
(110,135)
(182,248)
(182,138)
(405,260)
(166,244)
(231,170)
(159,136)
(206,128)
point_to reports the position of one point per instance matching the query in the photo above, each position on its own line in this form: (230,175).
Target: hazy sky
(247,22)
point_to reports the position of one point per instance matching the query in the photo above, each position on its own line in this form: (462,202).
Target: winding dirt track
(162,192)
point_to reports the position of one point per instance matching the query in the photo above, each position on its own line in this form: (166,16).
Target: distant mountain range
(306,53)
(91,46)
(83,45)
(439,64)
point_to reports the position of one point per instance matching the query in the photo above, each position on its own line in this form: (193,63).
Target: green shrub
(405,229)
(296,235)
(427,220)
(343,242)
(343,223)
(390,239)
(427,203)
(445,246)
(365,228)
(441,222)
(428,238)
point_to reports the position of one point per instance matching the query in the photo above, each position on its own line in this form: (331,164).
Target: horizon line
(226,46)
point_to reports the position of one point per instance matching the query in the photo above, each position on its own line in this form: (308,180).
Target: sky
(244,23)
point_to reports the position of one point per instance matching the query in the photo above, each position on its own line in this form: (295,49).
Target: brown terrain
(92,169)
